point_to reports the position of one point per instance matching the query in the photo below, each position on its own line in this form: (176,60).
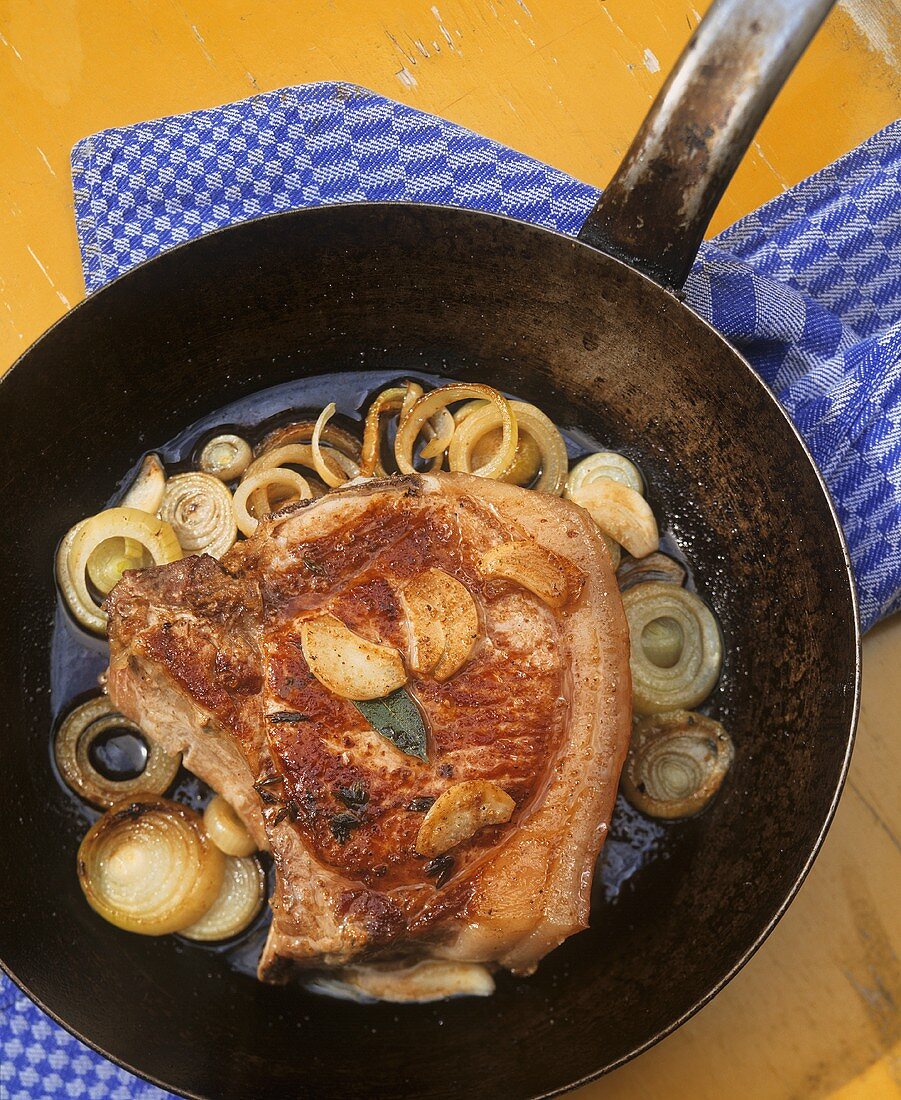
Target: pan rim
(467,214)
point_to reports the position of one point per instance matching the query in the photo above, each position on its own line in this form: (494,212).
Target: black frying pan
(603,345)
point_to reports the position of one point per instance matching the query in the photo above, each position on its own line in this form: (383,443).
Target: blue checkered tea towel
(808,287)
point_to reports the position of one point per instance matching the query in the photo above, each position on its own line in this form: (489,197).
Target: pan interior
(608,356)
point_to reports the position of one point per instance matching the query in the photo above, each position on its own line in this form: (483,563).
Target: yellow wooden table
(816,1012)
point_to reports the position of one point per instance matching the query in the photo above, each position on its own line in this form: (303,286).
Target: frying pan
(593,331)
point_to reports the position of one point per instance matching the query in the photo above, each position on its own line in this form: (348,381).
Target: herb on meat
(266,795)
(268,782)
(421,805)
(342,825)
(279,816)
(397,718)
(441,868)
(313,567)
(354,796)
(288,716)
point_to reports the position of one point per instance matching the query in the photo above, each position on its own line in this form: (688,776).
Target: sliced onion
(199,508)
(467,409)
(443,428)
(155,535)
(676,763)
(240,899)
(72,750)
(621,513)
(321,466)
(526,465)
(148,866)
(301,454)
(677,652)
(413,394)
(146,491)
(655,567)
(401,399)
(110,560)
(389,400)
(604,464)
(301,431)
(263,479)
(226,830)
(225,457)
(533,425)
(431,403)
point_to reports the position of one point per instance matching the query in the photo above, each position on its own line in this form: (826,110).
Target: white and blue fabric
(808,288)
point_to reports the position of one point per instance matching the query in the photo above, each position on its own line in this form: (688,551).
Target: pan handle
(656,208)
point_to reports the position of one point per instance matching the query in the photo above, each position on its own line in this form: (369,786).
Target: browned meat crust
(207,657)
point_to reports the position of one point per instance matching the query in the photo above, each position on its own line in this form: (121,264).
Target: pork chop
(206,656)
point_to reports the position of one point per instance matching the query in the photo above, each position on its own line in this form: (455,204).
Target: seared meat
(207,657)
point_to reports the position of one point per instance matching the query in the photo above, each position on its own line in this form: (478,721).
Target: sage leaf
(396,717)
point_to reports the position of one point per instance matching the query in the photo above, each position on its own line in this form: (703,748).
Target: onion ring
(301,431)
(609,464)
(533,424)
(331,479)
(225,457)
(677,762)
(148,866)
(199,508)
(72,747)
(677,652)
(239,900)
(292,454)
(155,535)
(390,400)
(431,403)
(278,475)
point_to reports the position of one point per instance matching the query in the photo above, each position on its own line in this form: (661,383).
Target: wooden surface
(815,1014)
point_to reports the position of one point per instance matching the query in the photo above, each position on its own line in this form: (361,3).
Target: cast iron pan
(600,347)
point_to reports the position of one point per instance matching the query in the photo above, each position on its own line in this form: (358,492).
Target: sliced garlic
(621,513)
(146,491)
(460,813)
(530,565)
(348,665)
(444,623)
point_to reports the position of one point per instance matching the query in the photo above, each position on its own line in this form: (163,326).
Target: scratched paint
(879,25)
(48,277)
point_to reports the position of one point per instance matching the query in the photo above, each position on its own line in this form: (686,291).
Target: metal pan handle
(660,201)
